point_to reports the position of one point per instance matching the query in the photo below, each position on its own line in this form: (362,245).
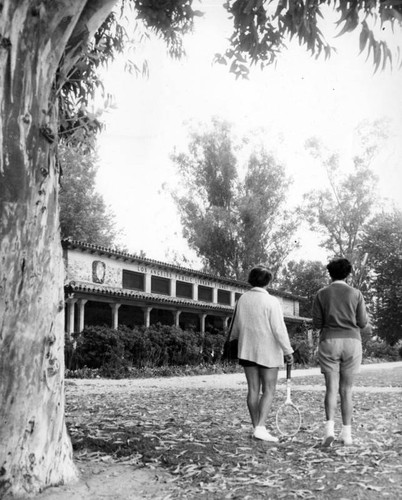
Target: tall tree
(45,48)
(266,226)
(40,45)
(232,223)
(340,212)
(84,215)
(208,173)
(383,244)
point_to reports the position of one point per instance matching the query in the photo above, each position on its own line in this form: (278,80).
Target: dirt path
(113,481)
(221,381)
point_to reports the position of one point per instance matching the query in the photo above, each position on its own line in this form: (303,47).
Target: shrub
(381,350)
(303,353)
(212,347)
(114,352)
(96,346)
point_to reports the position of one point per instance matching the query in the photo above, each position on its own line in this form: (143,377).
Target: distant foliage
(381,350)
(84,214)
(383,243)
(303,278)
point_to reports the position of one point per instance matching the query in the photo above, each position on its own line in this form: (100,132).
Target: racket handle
(288,371)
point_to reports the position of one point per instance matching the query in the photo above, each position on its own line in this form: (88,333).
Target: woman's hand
(289,359)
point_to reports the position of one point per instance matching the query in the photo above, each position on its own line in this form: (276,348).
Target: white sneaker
(346,440)
(262,434)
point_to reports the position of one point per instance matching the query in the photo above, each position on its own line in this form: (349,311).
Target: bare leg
(268,377)
(345,392)
(331,394)
(253,395)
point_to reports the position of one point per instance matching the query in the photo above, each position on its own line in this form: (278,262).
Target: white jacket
(259,325)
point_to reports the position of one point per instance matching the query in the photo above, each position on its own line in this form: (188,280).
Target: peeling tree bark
(35,450)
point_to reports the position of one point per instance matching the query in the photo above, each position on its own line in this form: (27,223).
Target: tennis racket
(288,416)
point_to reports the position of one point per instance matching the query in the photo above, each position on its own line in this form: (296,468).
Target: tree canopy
(340,212)
(232,221)
(383,244)
(84,215)
(261,31)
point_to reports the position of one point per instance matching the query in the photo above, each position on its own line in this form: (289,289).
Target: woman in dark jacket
(339,313)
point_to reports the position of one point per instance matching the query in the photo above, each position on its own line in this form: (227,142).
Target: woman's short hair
(339,269)
(259,276)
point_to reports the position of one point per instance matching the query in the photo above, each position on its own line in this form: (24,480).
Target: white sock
(329,427)
(346,431)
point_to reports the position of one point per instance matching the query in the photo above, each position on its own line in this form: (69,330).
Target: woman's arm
(279,329)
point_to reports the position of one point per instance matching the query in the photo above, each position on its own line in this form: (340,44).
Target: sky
(300,97)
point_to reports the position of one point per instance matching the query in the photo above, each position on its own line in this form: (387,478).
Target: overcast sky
(299,98)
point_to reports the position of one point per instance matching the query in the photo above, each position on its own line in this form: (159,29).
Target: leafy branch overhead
(78,80)
(260,33)
(261,29)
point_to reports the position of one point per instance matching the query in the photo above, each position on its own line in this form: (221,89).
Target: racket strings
(288,420)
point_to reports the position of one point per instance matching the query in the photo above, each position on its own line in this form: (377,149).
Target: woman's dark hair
(339,269)
(259,276)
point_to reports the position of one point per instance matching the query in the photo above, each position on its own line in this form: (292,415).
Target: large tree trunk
(35,450)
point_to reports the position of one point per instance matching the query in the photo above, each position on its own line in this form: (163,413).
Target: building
(106,286)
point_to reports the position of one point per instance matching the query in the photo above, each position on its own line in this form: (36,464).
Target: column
(215,295)
(195,291)
(81,314)
(226,321)
(70,315)
(176,316)
(232,299)
(115,315)
(147,283)
(202,322)
(173,287)
(147,316)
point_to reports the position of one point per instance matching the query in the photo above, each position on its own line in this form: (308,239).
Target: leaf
(201,437)
(364,36)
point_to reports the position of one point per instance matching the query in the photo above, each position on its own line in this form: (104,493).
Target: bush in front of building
(114,352)
(377,349)
(95,347)
(303,349)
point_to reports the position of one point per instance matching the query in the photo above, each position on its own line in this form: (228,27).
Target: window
(160,285)
(223,297)
(205,293)
(133,280)
(184,289)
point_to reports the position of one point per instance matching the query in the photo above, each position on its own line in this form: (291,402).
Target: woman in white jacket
(259,326)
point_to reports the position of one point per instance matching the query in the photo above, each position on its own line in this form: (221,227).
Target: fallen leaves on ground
(203,438)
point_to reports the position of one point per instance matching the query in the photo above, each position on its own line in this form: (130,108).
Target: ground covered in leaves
(201,439)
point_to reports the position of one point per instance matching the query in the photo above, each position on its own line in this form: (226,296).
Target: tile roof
(152,298)
(88,288)
(68,243)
